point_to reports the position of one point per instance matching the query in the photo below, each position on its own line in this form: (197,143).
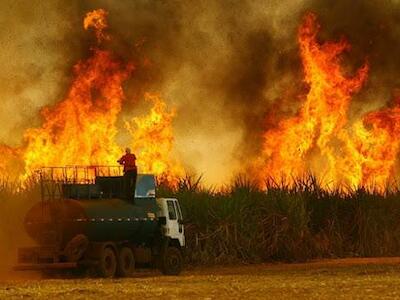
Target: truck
(84,222)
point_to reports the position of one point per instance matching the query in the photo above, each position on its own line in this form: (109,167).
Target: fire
(98,20)
(82,128)
(152,139)
(377,146)
(320,139)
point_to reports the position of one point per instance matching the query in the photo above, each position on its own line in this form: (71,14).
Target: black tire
(76,248)
(107,266)
(171,261)
(126,262)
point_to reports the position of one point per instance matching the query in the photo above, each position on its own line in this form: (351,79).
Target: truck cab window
(178,210)
(171,210)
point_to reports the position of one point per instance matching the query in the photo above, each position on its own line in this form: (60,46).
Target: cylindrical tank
(50,222)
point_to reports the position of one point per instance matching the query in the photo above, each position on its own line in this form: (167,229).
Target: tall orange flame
(152,139)
(82,129)
(320,139)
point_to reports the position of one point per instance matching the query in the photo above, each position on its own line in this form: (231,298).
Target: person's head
(127,150)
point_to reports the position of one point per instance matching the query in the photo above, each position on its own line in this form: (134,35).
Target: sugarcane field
(200,149)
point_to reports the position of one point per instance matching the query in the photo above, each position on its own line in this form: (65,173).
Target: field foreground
(343,279)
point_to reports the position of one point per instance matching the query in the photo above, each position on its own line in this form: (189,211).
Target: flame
(377,146)
(288,147)
(82,128)
(152,139)
(97,19)
(320,139)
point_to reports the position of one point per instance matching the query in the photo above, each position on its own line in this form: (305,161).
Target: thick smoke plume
(224,65)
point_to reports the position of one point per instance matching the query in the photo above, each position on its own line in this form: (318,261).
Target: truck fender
(174,243)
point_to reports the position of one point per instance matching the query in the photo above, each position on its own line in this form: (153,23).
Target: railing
(77,174)
(52,179)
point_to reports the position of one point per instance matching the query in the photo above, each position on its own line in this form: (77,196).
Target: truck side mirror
(162,220)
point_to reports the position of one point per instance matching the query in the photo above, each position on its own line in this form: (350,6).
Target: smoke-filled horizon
(224,65)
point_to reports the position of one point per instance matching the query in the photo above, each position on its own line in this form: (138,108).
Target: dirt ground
(326,279)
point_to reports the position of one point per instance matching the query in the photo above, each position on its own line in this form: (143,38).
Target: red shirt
(129,162)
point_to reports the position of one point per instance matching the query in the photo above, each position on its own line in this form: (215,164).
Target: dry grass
(338,279)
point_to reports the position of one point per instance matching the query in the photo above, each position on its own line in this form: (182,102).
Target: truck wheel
(126,262)
(76,247)
(171,261)
(107,263)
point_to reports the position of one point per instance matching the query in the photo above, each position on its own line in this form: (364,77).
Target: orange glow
(10,162)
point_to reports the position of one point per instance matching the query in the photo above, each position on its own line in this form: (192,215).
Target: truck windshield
(171,210)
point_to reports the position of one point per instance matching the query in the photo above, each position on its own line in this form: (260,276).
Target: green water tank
(97,211)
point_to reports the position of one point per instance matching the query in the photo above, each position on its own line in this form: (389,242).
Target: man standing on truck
(130,173)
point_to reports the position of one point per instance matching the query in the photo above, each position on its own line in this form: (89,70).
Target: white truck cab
(173,227)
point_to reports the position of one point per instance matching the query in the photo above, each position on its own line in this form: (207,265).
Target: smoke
(225,65)
(12,234)
(35,61)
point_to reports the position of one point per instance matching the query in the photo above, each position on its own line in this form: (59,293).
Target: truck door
(174,222)
(180,218)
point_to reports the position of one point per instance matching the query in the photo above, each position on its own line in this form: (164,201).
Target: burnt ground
(361,278)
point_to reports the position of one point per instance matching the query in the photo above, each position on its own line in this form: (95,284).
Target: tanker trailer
(89,225)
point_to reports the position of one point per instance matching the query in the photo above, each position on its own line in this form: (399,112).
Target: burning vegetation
(319,139)
(156,126)
(82,128)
